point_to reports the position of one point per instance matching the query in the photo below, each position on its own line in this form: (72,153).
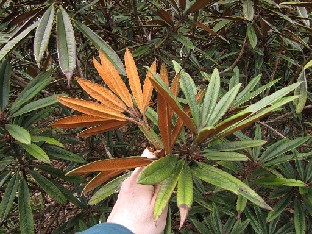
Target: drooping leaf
(134,80)
(160,86)
(238,145)
(299,217)
(147,87)
(91,108)
(104,127)
(8,196)
(43,33)
(37,152)
(32,89)
(13,42)
(101,178)
(66,43)
(185,192)
(111,164)
(211,96)
(19,133)
(224,156)
(302,91)
(35,105)
(76,121)
(101,45)
(279,181)
(26,219)
(278,208)
(226,181)
(5,76)
(107,190)
(102,94)
(110,76)
(158,170)
(49,187)
(165,191)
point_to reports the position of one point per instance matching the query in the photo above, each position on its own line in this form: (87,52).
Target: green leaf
(26,219)
(184,40)
(249,87)
(211,96)
(13,42)
(8,197)
(238,145)
(100,44)
(299,218)
(309,64)
(248,9)
(239,227)
(168,227)
(32,89)
(152,137)
(66,44)
(223,105)
(35,105)
(224,156)
(5,76)
(48,140)
(185,187)
(37,152)
(158,170)
(165,191)
(278,208)
(57,152)
(252,36)
(49,187)
(18,133)
(226,181)
(281,147)
(302,91)
(107,190)
(43,33)
(280,181)
(5,162)
(189,89)
(268,100)
(241,203)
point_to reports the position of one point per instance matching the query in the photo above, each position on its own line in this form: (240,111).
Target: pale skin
(135,204)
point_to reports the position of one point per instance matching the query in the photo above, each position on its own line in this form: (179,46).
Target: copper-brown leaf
(77,121)
(112,78)
(101,178)
(111,164)
(175,87)
(165,16)
(148,87)
(91,108)
(104,127)
(199,4)
(134,80)
(102,94)
(178,128)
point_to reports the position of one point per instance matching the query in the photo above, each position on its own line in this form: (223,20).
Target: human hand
(135,205)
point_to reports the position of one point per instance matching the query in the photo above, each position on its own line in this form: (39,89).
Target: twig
(237,59)
(272,129)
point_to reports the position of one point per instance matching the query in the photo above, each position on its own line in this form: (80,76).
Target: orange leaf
(102,94)
(111,164)
(104,127)
(178,127)
(175,86)
(101,178)
(173,104)
(113,80)
(134,80)
(147,87)
(164,123)
(76,121)
(91,108)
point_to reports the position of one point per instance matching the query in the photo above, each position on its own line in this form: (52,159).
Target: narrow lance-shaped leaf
(13,42)
(280,181)
(76,121)
(43,33)
(158,170)
(238,145)
(224,156)
(184,192)
(302,91)
(160,86)
(147,87)
(278,208)
(100,44)
(104,127)
(299,217)
(5,76)
(26,219)
(66,43)
(134,80)
(252,36)
(37,152)
(18,133)
(199,4)
(111,164)
(152,137)
(48,140)
(8,196)
(226,181)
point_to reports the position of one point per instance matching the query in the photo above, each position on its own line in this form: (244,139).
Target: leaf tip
(183,214)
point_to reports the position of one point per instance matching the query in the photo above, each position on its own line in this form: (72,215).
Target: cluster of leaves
(193,128)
